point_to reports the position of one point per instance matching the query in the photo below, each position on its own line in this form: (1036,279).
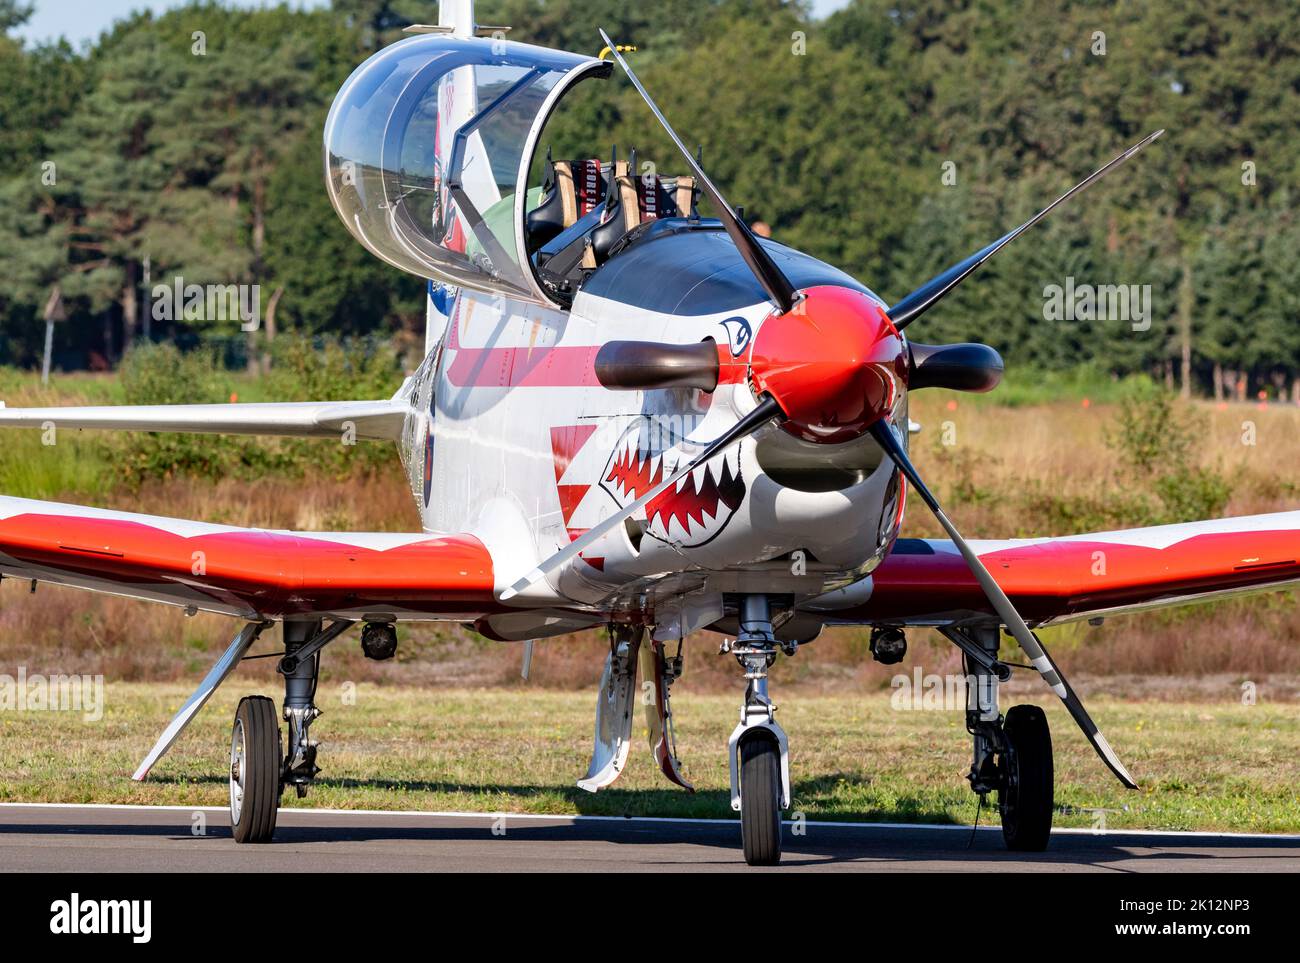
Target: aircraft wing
(379,420)
(246,572)
(1053,580)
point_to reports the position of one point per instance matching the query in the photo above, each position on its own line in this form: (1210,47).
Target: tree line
(890,139)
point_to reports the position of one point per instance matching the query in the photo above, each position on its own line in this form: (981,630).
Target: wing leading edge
(1052,580)
(245,572)
(377,420)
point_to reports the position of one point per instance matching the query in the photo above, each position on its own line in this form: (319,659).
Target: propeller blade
(927,295)
(885,437)
(767,410)
(777,285)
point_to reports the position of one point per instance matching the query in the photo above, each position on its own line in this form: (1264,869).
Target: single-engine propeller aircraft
(630,415)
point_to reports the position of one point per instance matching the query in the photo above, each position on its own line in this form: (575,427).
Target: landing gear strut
(259,769)
(1012,755)
(758,751)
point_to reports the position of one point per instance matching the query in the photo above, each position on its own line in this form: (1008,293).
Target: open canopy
(427,152)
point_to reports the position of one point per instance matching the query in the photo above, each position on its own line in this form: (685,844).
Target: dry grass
(1001,454)
(368,503)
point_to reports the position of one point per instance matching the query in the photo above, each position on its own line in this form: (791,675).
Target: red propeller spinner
(834,363)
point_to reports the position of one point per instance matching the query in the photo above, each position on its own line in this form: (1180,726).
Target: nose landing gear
(758,751)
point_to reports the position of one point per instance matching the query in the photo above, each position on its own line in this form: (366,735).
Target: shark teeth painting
(690,513)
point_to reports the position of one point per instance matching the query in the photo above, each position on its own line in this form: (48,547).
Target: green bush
(312,369)
(302,370)
(162,375)
(1153,434)
(1055,513)
(1153,481)
(1191,493)
(957,467)
(1155,438)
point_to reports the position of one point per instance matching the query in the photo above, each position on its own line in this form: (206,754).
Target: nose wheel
(760,797)
(255,762)
(758,752)
(1026,795)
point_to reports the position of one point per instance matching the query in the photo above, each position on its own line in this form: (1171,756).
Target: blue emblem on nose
(738,335)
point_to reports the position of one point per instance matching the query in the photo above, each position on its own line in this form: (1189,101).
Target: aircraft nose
(834,363)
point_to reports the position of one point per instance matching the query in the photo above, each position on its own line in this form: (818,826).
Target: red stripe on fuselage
(572,366)
(524,368)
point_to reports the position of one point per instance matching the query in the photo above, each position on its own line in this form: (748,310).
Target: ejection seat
(589,211)
(570,191)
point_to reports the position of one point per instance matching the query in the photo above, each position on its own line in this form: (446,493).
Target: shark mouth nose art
(692,512)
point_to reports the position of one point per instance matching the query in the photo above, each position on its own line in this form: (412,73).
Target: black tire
(760,801)
(1027,796)
(255,769)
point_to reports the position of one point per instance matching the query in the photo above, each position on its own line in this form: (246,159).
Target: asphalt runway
(58,838)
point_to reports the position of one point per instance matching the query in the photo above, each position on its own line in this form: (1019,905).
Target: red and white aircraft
(629,416)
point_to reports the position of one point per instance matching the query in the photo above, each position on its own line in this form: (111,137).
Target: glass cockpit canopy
(427,150)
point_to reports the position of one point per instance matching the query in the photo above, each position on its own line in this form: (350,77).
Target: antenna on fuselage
(457,17)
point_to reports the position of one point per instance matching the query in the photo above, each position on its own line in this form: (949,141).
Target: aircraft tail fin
(458,15)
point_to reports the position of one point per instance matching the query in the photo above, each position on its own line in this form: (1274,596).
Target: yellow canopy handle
(621,48)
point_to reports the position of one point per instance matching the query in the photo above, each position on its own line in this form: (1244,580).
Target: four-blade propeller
(825,372)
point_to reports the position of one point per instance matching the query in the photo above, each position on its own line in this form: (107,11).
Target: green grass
(1025,385)
(1202,766)
(76,465)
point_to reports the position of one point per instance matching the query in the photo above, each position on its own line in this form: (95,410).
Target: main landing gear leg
(758,751)
(301,674)
(259,768)
(1013,755)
